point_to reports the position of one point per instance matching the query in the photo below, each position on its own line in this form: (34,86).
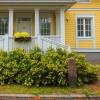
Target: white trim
(38,1)
(84,15)
(93,37)
(85,9)
(37,29)
(94,32)
(10,29)
(86,50)
(79,1)
(62,25)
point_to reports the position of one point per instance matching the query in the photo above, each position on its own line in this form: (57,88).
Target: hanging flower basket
(22,36)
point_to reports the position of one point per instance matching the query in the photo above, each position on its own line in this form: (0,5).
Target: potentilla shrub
(36,68)
(87,73)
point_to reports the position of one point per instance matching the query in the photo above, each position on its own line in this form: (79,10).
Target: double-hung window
(45,26)
(3,25)
(84,27)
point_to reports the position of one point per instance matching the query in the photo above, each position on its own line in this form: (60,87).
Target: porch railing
(44,42)
(25,45)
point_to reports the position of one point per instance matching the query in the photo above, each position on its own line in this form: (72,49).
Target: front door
(24,24)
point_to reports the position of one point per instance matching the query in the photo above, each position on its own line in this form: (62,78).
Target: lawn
(17,89)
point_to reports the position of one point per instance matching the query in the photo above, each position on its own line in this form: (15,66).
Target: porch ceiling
(36,2)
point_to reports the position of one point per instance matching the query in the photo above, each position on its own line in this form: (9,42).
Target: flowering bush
(22,36)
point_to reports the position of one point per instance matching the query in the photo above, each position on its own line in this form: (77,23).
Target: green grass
(17,89)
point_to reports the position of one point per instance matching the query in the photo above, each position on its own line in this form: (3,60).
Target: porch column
(11,22)
(62,25)
(57,23)
(37,22)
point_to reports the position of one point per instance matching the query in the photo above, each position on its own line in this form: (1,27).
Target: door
(24,24)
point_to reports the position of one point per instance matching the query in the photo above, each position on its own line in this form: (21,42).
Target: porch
(44,21)
(40,24)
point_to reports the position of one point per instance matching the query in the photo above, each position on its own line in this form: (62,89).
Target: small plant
(22,36)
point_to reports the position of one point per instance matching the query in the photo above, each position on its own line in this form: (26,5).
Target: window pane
(80,33)
(45,26)
(81,21)
(3,26)
(80,27)
(86,21)
(88,27)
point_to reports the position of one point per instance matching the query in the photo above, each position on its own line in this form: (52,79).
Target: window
(24,24)
(45,26)
(84,1)
(3,26)
(84,26)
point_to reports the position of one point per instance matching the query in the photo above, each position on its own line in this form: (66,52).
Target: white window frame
(93,25)
(23,15)
(79,1)
(45,14)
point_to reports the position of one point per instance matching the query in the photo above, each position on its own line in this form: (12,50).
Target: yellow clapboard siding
(70,29)
(92,4)
(85,44)
(70,26)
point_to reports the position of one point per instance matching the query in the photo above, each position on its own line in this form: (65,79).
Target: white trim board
(86,50)
(88,9)
(61,1)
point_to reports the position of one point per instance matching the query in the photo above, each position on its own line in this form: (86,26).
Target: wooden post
(72,72)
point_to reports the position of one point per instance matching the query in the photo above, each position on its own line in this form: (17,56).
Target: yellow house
(74,23)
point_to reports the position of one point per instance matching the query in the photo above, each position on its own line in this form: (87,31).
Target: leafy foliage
(43,69)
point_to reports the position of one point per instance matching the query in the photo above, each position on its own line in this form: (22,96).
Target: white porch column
(57,23)
(62,25)
(37,22)
(11,14)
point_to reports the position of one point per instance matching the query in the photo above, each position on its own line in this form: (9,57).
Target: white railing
(25,45)
(1,43)
(35,41)
(52,37)
(4,42)
(44,42)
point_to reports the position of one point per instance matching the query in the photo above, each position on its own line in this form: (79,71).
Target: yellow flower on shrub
(21,35)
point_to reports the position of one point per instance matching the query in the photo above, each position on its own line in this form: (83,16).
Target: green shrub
(35,68)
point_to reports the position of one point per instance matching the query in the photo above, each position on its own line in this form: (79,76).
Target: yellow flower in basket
(22,36)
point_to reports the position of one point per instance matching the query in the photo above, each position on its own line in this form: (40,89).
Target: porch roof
(35,2)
